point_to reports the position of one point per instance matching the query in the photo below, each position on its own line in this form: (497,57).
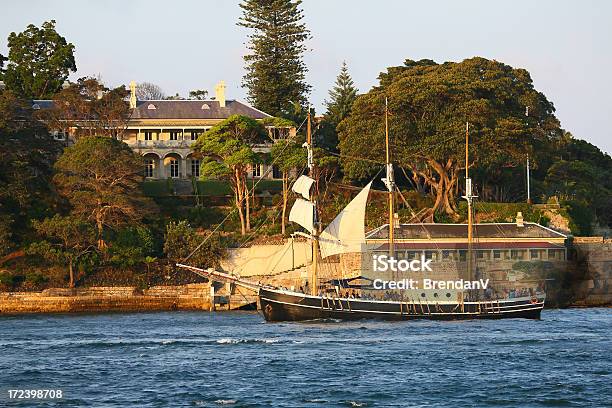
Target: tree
(198,94)
(27,155)
(339,106)
(88,108)
(146,91)
(228,154)
(39,61)
(289,156)
(181,240)
(131,246)
(341,97)
(583,175)
(67,240)
(101,179)
(429,105)
(275,76)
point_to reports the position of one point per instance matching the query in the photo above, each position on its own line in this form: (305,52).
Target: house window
(463,255)
(175,135)
(257,170)
(534,253)
(148,135)
(517,254)
(149,167)
(556,254)
(174,168)
(496,254)
(448,255)
(195,134)
(433,255)
(195,168)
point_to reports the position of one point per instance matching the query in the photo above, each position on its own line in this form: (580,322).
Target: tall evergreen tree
(341,96)
(275,76)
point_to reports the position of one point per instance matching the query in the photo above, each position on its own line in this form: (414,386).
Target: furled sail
(302,186)
(302,213)
(346,233)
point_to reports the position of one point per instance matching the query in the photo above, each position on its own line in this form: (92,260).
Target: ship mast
(468,196)
(315,232)
(389,182)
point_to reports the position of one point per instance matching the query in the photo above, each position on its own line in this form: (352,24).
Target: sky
(192,44)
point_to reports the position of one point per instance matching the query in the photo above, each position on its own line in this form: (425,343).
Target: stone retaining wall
(107,299)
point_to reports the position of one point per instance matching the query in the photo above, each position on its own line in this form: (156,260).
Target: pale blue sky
(183,45)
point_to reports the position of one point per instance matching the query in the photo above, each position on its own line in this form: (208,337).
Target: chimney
(220,93)
(519,219)
(132,95)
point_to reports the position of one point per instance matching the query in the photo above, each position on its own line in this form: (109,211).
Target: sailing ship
(356,297)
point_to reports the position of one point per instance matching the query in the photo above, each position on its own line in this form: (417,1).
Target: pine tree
(275,76)
(342,96)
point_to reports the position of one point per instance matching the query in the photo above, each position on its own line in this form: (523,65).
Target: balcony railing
(176,144)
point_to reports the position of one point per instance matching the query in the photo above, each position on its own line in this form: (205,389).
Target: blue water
(236,360)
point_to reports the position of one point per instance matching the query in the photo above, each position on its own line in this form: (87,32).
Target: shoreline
(190,297)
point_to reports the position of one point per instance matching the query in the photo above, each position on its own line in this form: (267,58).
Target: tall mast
(315,233)
(468,196)
(389,182)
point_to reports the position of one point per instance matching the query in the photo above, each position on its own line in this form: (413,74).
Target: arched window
(151,106)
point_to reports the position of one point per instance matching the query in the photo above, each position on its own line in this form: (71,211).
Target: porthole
(448,295)
(422,295)
(435,295)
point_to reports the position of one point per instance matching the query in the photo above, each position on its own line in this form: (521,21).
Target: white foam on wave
(225,402)
(243,341)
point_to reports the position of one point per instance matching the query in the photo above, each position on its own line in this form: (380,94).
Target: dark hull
(290,306)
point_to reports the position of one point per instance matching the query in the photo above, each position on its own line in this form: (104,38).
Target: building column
(161,170)
(182,168)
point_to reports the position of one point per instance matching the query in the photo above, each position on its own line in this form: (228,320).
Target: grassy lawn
(209,188)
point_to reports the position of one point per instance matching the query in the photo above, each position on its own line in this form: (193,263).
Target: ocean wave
(225,402)
(247,341)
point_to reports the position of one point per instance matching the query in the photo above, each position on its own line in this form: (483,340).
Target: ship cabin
(496,242)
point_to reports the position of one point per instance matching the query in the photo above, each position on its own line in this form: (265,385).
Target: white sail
(302,213)
(346,233)
(302,186)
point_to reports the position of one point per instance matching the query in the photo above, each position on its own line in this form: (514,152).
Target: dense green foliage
(39,61)
(429,106)
(100,178)
(26,159)
(66,240)
(181,241)
(275,76)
